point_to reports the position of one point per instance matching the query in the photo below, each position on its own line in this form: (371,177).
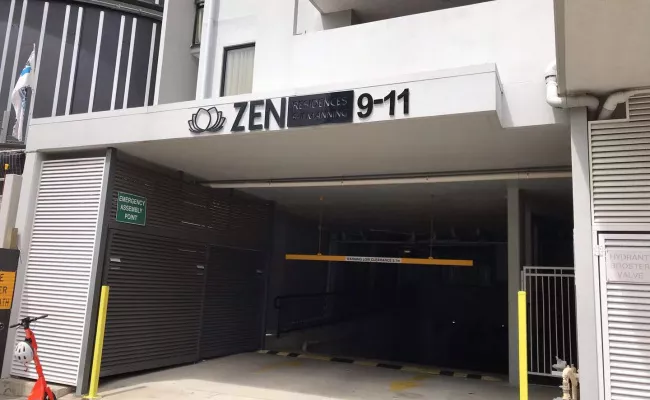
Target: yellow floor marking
(490,378)
(430,371)
(278,365)
(417,370)
(416,381)
(407,368)
(366,363)
(314,357)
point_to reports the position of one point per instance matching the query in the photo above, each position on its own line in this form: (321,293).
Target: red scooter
(25,352)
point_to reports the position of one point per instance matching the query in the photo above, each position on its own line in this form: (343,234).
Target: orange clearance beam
(383,260)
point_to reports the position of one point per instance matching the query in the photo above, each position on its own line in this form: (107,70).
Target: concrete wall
(585,270)
(9,209)
(295,48)
(339,19)
(293,235)
(170,121)
(234,23)
(177,67)
(517,35)
(308,19)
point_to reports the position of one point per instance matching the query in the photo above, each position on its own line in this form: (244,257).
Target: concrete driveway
(256,376)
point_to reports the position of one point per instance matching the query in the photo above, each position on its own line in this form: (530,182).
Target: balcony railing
(90,56)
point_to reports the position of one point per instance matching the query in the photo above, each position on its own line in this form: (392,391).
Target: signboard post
(131,209)
(8,266)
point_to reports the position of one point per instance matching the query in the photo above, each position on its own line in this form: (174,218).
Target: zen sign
(628,266)
(300,111)
(131,209)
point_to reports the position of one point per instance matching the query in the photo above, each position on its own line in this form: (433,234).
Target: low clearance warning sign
(383,260)
(7,281)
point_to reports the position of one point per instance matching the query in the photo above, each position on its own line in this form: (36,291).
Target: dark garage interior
(441,316)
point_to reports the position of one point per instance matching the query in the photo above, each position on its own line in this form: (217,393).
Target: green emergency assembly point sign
(131,209)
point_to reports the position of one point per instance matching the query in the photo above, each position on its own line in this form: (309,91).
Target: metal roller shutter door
(625,311)
(154,309)
(232,316)
(59,264)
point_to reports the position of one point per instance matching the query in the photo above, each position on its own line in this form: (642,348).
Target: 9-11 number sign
(366,103)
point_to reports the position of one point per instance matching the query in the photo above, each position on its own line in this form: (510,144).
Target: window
(237,75)
(198,23)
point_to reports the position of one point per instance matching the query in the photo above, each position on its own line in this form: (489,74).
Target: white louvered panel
(620,167)
(626,326)
(639,108)
(59,264)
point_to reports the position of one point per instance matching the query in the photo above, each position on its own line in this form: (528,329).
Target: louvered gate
(59,264)
(620,166)
(232,313)
(154,310)
(625,308)
(161,309)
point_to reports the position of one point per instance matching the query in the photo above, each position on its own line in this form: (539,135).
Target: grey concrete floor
(255,376)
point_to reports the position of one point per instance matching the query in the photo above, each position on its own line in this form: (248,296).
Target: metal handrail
(278,299)
(315,314)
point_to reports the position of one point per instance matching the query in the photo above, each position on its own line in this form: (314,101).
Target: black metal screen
(189,284)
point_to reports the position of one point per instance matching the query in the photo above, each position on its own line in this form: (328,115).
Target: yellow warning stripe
(365,363)
(397,367)
(385,260)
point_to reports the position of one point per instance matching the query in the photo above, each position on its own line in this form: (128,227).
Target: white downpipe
(557,101)
(617,98)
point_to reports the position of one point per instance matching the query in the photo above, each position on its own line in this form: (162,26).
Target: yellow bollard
(523,348)
(99,345)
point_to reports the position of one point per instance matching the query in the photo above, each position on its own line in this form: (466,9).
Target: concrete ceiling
(467,142)
(467,205)
(602,45)
(374,10)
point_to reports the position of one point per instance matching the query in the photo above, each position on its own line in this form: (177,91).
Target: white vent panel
(59,264)
(620,167)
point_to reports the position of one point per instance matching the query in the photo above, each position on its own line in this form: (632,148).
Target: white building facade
(348,116)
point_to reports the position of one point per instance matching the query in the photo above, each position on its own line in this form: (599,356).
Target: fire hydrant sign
(131,209)
(7,281)
(629,266)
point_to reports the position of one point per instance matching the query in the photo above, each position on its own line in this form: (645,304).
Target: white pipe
(557,101)
(394,181)
(617,98)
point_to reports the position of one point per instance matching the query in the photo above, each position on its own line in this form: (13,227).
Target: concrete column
(9,209)
(331,266)
(277,267)
(24,221)
(177,68)
(206,66)
(528,234)
(585,270)
(514,279)
(276,25)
